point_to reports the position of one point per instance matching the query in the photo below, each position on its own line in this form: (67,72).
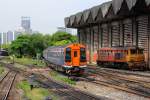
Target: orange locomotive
(69,58)
(124,57)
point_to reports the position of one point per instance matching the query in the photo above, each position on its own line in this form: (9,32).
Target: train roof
(119,48)
(53,47)
(60,47)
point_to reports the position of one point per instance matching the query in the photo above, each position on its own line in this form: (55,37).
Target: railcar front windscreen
(133,51)
(82,54)
(140,51)
(68,55)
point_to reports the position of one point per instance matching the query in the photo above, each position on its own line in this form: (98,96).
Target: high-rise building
(16,34)
(4,38)
(0,38)
(26,24)
(18,31)
(9,37)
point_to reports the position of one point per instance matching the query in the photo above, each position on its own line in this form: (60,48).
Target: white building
(67,30)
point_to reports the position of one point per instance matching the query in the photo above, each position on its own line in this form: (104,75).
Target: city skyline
(45,16)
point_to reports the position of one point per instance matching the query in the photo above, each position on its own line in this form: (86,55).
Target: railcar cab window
(133,51)
(68,55)
(140,51)
(82,54)
(119,55)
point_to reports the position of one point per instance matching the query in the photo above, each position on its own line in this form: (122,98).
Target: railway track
(66,91)
(123,82)
(74,94)
(6,84)
(137,73)
(3,77)
(125,72)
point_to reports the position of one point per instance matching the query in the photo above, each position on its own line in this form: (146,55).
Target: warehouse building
(113,24)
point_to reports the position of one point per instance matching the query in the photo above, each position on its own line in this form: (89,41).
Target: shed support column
(148,31)
(91,36)
(121,33)
(134,32)
(99,37)
(85,36)
(110,35)
(78,34)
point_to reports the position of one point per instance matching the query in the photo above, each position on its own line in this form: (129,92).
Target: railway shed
(117,23)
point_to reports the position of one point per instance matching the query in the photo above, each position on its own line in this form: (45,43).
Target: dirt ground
(108,92)
(103,91)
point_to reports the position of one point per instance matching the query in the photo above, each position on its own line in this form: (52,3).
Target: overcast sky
(46,15)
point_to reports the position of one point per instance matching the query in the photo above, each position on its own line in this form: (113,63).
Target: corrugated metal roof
(147,2)
(78,17)
(95,11)
(131,3)
(86,14)
(117,5)
(105,7)
(72,19)
(102,10)
(67,19)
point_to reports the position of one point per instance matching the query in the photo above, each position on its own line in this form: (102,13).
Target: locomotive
(122,57)
(70,59)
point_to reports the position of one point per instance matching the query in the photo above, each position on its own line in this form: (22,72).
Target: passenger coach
(70,59)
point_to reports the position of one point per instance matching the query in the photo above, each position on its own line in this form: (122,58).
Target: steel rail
(137,73)
(3,77)
(27,74)
(121,88)
(10,87)
(113,76)
(77,94)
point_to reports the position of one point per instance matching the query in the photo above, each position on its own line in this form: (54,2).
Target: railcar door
(76,57)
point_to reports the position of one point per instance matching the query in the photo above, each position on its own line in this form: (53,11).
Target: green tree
(61,38)
(31,45)
(5,46)
(38,43)
(20,46)
(47,39)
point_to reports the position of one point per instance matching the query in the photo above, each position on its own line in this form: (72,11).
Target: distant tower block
(26,24)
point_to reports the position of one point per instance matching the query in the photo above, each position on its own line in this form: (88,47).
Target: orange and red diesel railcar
(69,58)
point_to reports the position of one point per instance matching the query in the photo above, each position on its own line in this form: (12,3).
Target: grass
(30,61)
(35,93)
(6,59)
(25,61)
(1,69)
(62,78)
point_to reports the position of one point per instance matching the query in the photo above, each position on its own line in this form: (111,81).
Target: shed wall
(126,32)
